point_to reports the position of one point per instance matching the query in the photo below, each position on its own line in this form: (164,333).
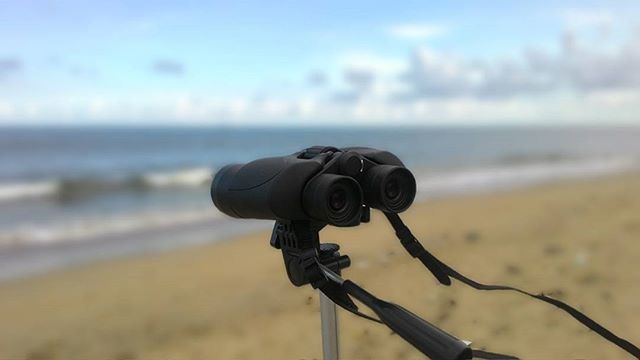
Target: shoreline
(178,198)
(23,260)
(576,240)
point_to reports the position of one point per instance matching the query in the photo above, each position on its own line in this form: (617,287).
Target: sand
(579,241)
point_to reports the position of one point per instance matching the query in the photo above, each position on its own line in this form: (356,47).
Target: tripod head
(302,252)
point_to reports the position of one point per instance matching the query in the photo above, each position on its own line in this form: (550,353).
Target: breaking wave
(69,189)
(82,229)
(502,177)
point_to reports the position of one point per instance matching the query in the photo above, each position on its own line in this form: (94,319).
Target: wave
(82,227)
(507,172)
(14,191)
(187,177)
(524,158)
(72,189)
(502,177)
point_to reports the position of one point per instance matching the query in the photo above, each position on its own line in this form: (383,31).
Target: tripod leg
(329,320)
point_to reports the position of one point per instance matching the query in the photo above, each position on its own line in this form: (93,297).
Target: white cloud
(578,82)
(573,67)
(416,31)
(366,60)
(6,109)
(603,107)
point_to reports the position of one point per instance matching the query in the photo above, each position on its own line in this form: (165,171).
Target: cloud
(576,80)
(366,74)
(572,82)
(416,31)
(366,60)
(603,107)
(584,68)
(168,67)
(573,67)
(360,79)
(9,66)
(317,78)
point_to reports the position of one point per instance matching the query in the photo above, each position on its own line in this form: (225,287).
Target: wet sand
(578,241)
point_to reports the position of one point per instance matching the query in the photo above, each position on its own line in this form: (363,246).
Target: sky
(320,63)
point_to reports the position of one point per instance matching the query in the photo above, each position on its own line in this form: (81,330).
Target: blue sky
(463,62)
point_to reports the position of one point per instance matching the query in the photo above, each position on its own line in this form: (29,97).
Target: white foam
(81,229)
(193,177)
(15,191)
(507,177)
(185,178)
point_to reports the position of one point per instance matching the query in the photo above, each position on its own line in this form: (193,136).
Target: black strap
(481,354)
(336,293)
(356,312)
(442,272)
(340,297)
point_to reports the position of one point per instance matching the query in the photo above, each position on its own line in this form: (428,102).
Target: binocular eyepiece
(322,184)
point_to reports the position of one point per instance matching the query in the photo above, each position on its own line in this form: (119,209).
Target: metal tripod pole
(329,321)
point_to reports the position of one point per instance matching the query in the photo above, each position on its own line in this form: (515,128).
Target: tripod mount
(304,258)
(302,252)
(307,261)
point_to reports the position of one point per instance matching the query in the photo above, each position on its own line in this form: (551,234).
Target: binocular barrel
(298,188)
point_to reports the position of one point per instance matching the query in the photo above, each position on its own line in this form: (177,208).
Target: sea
(70,195)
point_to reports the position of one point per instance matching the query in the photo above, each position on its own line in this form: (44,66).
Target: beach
(576,240)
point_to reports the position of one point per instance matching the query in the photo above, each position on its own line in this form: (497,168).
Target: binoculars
(322,184)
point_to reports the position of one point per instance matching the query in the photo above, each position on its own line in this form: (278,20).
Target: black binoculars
(323,184)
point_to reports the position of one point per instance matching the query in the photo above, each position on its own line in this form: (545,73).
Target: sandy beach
(577,241)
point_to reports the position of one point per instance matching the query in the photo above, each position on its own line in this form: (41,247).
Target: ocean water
(65,186)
